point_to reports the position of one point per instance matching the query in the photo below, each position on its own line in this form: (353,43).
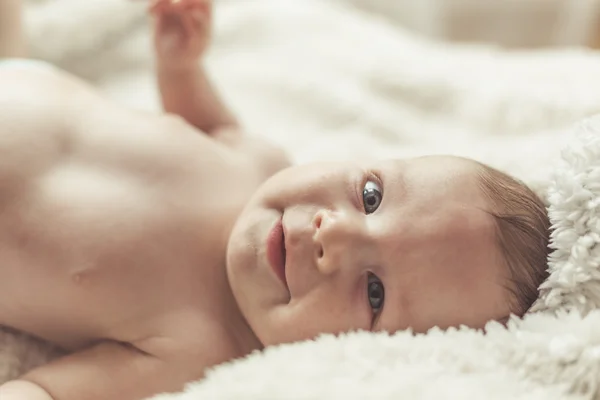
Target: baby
(151,247)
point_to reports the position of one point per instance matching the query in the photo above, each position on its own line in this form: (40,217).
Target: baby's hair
(523,230)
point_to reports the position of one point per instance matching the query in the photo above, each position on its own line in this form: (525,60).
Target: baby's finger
(201,21)
(192,3)
(158,6)
(188,22)
(166,5)
(203,5)
(200,11)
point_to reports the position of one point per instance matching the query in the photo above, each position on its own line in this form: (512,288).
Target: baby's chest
(82,215)
(94,254)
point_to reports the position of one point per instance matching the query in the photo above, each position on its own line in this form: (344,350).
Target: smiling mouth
(276,252)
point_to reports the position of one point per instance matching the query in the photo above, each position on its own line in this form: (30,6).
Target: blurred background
(510,23)
(496,80)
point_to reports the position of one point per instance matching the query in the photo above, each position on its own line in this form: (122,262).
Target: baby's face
(329,248)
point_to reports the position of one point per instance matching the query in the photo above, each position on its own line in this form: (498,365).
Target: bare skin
(11,38)
(94,197)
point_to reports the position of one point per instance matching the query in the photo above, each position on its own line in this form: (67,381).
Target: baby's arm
(23,390)
(11,37)
(107,371)
(181,36)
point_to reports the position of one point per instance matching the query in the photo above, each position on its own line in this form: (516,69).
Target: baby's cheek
(307,318)
(312,184)
(273,193)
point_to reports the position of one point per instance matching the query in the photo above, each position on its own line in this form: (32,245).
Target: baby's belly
(92,254)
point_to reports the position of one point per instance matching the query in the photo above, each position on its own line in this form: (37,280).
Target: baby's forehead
(438,201)
(446,260)
(451,225)
(435,181)
(433,166)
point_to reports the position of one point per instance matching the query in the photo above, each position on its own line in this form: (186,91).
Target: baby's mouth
(283,254)
(276,251)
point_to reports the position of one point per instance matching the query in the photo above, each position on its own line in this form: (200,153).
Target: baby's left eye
(375,294)
(372,196)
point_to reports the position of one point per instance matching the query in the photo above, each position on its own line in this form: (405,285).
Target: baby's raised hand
(182,30)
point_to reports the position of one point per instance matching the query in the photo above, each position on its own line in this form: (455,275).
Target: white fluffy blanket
(333,79)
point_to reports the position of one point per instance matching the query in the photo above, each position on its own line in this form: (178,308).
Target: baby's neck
(245,341)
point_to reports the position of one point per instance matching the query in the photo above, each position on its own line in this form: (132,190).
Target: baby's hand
(182,30)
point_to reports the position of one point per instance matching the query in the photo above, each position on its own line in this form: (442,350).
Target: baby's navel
(78,277)
(82,274)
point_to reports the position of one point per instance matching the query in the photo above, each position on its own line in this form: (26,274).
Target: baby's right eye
(372,196)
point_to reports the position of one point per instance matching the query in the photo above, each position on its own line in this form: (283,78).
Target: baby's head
(522,234)
(430,241)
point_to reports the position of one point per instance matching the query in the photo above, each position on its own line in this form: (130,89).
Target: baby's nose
(339,238)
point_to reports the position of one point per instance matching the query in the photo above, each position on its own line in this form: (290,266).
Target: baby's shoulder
(265,157)
(33,124)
